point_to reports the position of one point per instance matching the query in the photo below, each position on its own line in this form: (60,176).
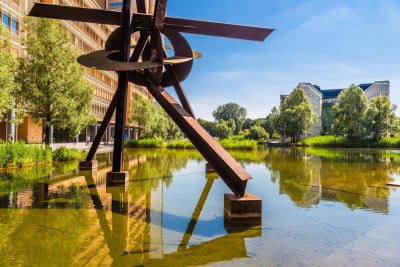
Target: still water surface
(320,207)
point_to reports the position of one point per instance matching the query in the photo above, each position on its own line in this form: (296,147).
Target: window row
(10,22)
(102,77)
(99,111)
(81,3)
(102,94)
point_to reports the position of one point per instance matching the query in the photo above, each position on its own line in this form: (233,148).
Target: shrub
(18,154)
(65,154)
(145,143)
(338,141)
(257,133)
(325,141)
(239,144)
(180,144)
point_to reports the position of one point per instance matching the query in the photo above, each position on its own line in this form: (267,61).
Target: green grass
(145,143)
(341,142)
(18,154)
(242,144)
(325,141)
(233,143)
(180,144)
(65,154)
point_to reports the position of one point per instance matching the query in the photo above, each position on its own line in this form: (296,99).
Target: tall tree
(143,113)
(348,114)
(52,81)
(8,70)
(222,130)
(271,124)
(231,111)
(380,117)
(296,115)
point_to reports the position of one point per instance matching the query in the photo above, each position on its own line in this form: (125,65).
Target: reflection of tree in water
(353,177)
(295,174)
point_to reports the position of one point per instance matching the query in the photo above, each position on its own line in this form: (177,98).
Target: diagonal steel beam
(234,176)
(179,89)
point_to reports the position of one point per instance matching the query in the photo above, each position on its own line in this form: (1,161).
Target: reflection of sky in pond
(324,207)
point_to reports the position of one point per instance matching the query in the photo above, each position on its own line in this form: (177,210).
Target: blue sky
(330,43)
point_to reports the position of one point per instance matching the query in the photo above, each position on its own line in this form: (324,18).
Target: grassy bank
(67,154)
(330,141)
(19,154)
(145,143)
(235,143)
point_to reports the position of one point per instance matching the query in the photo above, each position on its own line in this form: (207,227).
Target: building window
(6,20)
(14,25)
(115,4)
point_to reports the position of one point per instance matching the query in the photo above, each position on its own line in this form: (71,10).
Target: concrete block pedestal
(209,167)
(117,179)
(244,211)
(87,165)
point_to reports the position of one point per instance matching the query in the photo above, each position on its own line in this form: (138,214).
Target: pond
(328,207)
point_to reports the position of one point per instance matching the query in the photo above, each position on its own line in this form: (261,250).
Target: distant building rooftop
(334,93)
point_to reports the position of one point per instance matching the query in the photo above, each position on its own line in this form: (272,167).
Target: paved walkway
(82,146)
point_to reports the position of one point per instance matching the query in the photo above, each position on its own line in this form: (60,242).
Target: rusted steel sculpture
(150,66)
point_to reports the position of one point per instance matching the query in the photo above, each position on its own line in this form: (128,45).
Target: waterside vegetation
(342,142)
(19,154)
(238,143)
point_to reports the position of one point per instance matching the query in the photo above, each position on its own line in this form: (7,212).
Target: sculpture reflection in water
(86,222)
(354,178)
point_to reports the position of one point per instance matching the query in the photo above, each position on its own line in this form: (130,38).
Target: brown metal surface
(182,25)
(101,60)
(179,89)
(149,72)
(182,49)
(218,29)
(75,13)
(234,176)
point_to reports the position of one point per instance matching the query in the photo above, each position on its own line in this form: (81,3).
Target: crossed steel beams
(150,72)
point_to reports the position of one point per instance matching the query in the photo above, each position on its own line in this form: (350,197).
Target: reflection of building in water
(92,224)
(353,179)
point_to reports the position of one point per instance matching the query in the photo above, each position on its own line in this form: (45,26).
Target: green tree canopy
(222,130)
(380,117)
(52,81)
(257,133)
(8,71)
(231,111)
(296,115)
(348,114)
(142,112)
(152,120)
(271,124)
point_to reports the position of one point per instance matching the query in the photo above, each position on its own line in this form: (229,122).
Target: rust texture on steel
(150,66)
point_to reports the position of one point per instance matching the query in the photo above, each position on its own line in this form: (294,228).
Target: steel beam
(120,114)
(234,176)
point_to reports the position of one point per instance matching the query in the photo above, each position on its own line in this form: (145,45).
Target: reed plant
(240,144)
(18,154)
(180,144)
(145,143)
(67,154)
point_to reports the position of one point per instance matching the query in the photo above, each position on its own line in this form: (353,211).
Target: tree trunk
(49,135)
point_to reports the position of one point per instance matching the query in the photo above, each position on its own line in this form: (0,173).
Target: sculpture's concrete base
(209,167)
(117,179)
(245,211)
(394,183)
(87,165)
